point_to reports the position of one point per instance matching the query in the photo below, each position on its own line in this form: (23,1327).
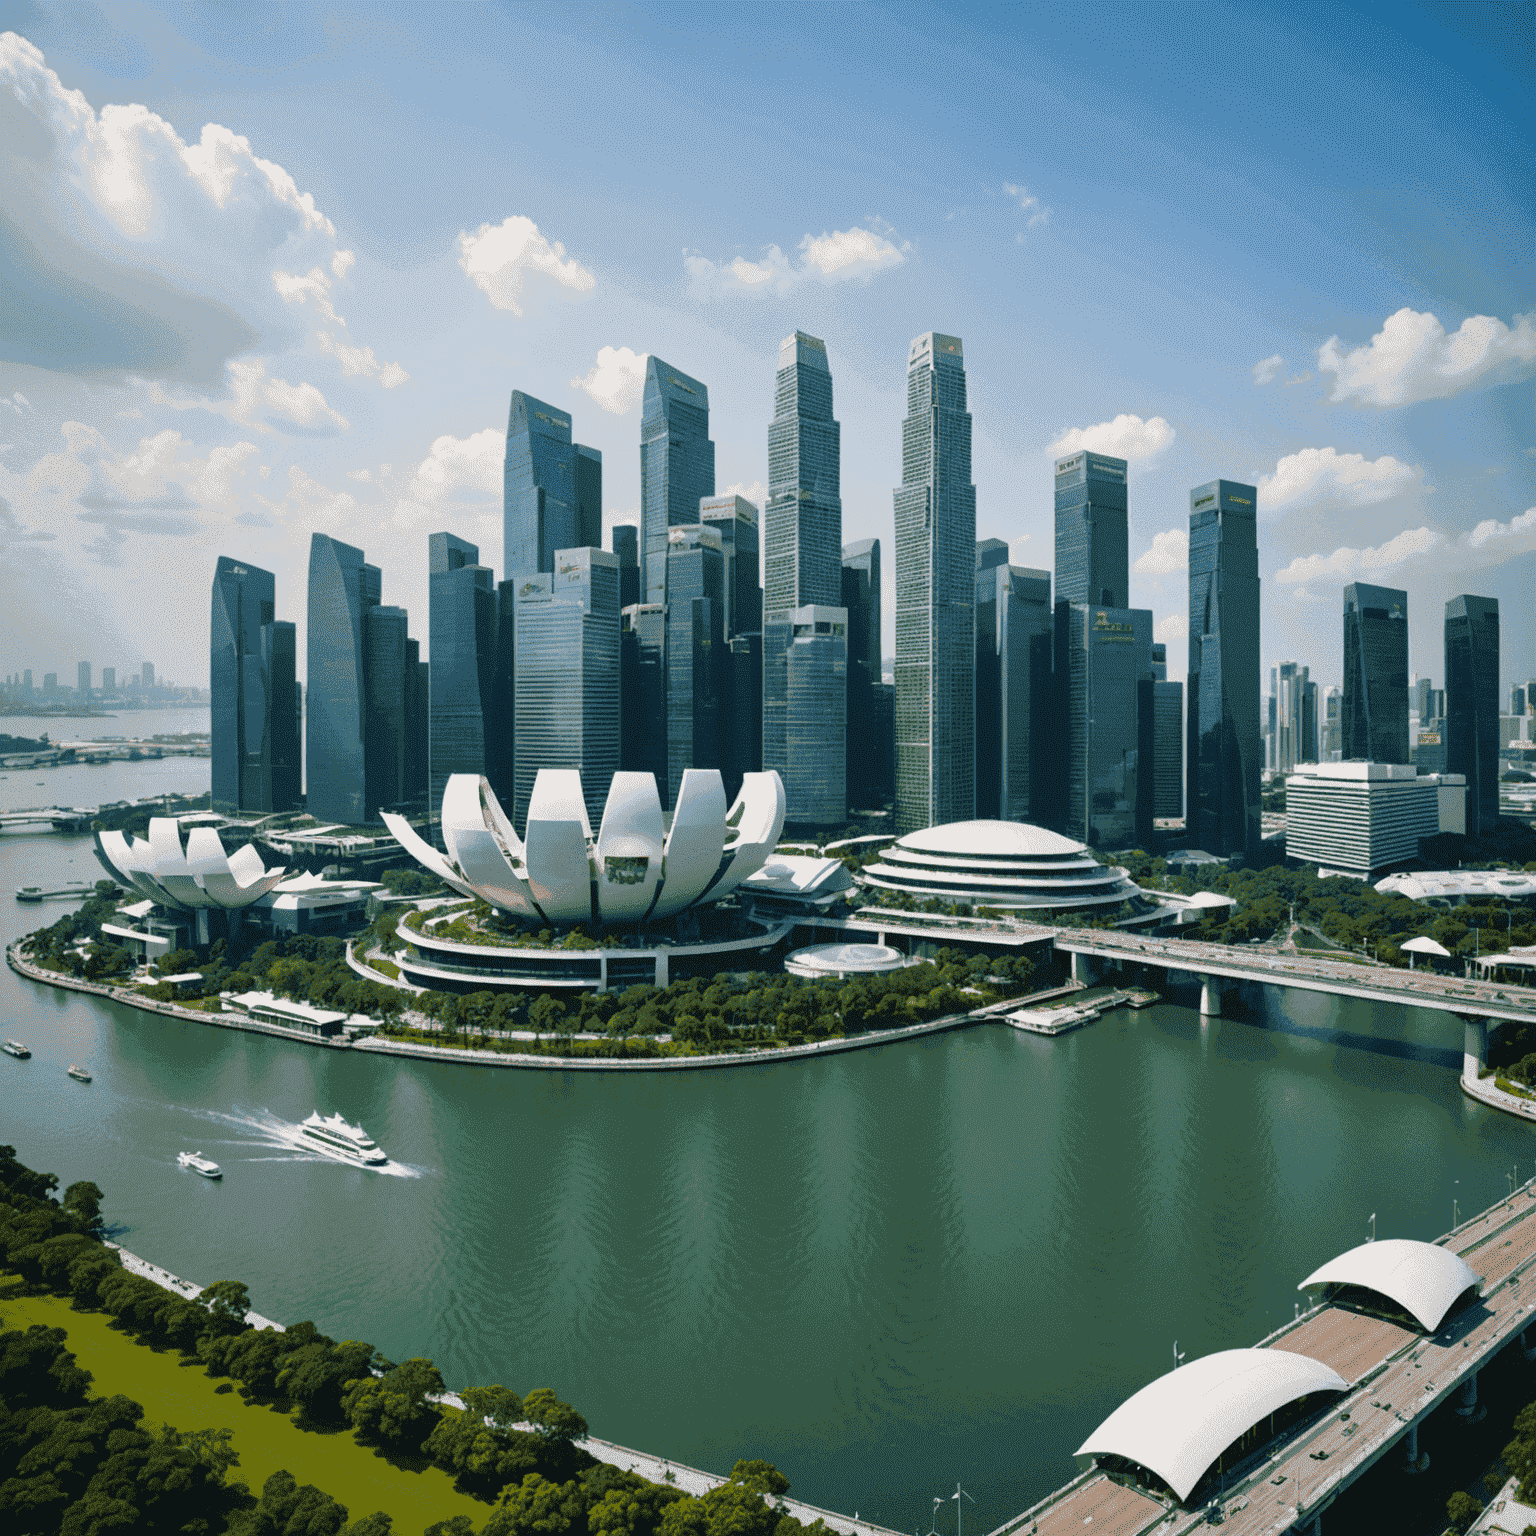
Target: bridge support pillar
(1474,1047)
(1210,997)
(1412,1461)
(1467,1407)
(1083,969)
(1527,1345)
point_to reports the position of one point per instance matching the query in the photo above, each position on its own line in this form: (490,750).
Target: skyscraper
(935,669)
(1224,747)
(1167,739)
(109,679)
(83,679)
(552,495)
(643,690)
(1092,541)
(567,703)
(1472,704)
(871,768)
(461,635)
(1292,742)
(1375,717)
(279,650)
(1013,689)
(240,722)
(342,587)
(734,518)
(626,545)
(677,466)
(418,728)
(148,672)
(742,717)
(385,681)
(815,713)
(696,656)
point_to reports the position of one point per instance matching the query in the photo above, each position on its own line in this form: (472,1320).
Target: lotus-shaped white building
(637,869)
(186,877)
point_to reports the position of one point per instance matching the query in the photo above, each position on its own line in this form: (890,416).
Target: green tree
(393,1410)
(538,1507)
(226,1302)
(1461,1509)
(552,1419)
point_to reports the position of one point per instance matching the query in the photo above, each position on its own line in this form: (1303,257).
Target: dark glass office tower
(279,649)
(1375,674)
(1224,746)
(803,519)
(742,748)
(500,755)
(342,587)
(461,635)
(643,691)
(1013,690)
(677,466)
(552,488)
(815,716)
(1472,705)
(870,768)
(244,603)
(385,684)
(568,676)
(696,657)
(1092,542)
(734,518)
(418,728)
(626,545)
(1167,749)
(935,666)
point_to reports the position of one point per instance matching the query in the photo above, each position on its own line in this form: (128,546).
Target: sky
(275,270)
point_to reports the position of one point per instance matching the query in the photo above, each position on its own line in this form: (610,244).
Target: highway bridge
(60,818)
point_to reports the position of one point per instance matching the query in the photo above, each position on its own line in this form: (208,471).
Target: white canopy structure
(1424,945)
(1179,1424)
(199,875)
(1423,1279)
(640,868)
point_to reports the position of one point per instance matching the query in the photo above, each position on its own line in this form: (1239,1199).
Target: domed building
(1010,865)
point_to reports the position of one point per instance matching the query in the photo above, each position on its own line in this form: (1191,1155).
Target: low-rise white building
(1360,818)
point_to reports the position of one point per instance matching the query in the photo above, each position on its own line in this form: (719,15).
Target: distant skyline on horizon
(280,275)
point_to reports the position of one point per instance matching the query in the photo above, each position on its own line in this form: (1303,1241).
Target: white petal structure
(186,877)
(635,869)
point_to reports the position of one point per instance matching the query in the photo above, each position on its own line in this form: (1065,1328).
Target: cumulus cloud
(312,504)
(1411,358)
(1036,212)
(1317,475)
(18,403)
(498,257)
(1513,537)
(360,361)
(1264,371)
(1346,564)
(616,380)
(827,258)
(1169,553)
(457,470)
(1174,627)
(1126,437)
(275,404)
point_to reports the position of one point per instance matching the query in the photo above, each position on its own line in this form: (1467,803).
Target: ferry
(200,1164)
(15,1048)
(346,1143)
(79,1074)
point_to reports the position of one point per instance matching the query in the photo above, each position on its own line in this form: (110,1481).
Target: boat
(1140,997)
(200,1164)
(334,1137)
(15,1048)
(79,1074)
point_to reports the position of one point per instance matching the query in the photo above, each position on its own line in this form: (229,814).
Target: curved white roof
(1179,1424)
(1422,1278)
(998,839)
(1424,945)
(188,877)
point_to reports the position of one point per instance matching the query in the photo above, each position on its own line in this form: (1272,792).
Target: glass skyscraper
(1224,745)
(461,633)
(626,545)
(1375,674)
(734,518)
(697,661)
(552,496)
(677,466)
(1013,690)
(239,690)
(385,685)
(342,587)
(870,767)
(279,651)
(643,690)
(935,664)
(1092,541)
(1472,704)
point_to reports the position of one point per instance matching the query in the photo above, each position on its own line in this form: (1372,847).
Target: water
(883,1271)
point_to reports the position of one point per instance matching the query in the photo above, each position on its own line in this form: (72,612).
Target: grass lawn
(266,1438)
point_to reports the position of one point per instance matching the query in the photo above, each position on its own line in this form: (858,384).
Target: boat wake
(266,1130)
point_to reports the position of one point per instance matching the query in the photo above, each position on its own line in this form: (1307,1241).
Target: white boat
(79,1074)
(200,1164)
(15,1048)
(334,1137)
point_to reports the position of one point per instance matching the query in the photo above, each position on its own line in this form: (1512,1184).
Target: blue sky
(1291,245)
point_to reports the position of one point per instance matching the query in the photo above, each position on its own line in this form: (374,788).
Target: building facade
(285,712)
(734,518)
(1361,819)
(1092,537)
(1472,704)
(461,638)
(626,545)
(239,687)
(1013,691)
(385,684)
(677,466)
(552,488)
(809,749)
(935,665)
(1223,757)
(870,768)
(342,588)
(696,657)
(1375,707)
(643,689)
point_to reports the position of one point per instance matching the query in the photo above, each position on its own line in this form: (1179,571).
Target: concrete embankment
(1486,1091)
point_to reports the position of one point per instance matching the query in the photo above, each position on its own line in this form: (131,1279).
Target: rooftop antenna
(957,1495)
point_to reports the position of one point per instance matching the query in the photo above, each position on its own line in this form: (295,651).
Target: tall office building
(935,668)
(1167,739)
(567,704)
(280,655)
(552,489)
(148,674)
(1293,732)
(342,588)
(109,679)
(696,657)
(871,765)
(1375,715)
(26,682)
(813,640)
(385,681)
(677,466)
(50,682)
(240,703)
(83,679)
(418,729)
(1092,540)
(643,690)
(1330,725)
(1223,746)
(461,637)
(734,518)
(1472,704)
(626,545)
(1013,689)
(742,718)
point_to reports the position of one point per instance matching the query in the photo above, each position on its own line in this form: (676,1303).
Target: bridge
(1395,1377)
(60,818)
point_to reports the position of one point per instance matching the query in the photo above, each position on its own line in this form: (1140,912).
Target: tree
(316,1374)
(552,1419)
(393,1410)
(1461,1509)
(227,1302)
(762,1475)
(538,1507)
(82,1200)
(286,1509)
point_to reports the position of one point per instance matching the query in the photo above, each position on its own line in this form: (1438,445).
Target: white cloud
(1324,475)
(1345,564)
(268,403)
(756,493)
(456,470)
(1174,628)
(18,402)
(342,263)
(497,258)
(314,287)
(357,361)
(1126,437)
(1411,359)
(616,380)
(1169,553)
(1038,213)
(1518,534)
(1264,371)
(828,258)
(314,505)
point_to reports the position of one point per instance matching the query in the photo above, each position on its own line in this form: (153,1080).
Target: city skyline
(338,327)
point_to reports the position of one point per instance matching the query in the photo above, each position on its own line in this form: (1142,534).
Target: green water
(884,1271)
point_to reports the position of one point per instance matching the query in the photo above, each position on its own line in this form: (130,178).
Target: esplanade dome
(1006,864)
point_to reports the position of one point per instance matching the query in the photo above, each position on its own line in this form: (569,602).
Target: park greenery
(83,1465)
(135,819)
